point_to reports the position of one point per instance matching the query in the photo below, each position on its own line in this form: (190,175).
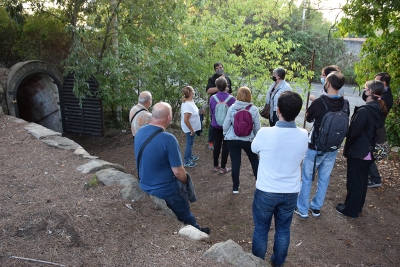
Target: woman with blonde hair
(190,124)
(237,143)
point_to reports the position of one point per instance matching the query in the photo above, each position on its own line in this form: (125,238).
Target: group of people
(283,157)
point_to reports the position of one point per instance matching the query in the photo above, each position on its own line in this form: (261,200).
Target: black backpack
(333,129)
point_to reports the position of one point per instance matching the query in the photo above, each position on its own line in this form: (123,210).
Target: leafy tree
(165,45)
(10,32)
(43,37)
(314,33)
(379,21)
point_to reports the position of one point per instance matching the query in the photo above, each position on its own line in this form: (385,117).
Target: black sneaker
(339,209)
(235,190)
(374,184)
(205,230)
(340,206)
(304,216)
(315,213)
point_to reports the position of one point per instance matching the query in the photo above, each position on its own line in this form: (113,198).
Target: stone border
(228,252)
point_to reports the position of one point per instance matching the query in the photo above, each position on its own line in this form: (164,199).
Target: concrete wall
(354,45)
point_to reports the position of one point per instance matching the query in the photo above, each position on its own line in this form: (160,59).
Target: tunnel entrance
(35,92)
(38,101)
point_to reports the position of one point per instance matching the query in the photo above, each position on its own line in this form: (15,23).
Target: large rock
(131,190)
(192,232)
(61,142)
(97,165)
(86,155)
(161,205)
(112,176)
(231,253)
(39,131)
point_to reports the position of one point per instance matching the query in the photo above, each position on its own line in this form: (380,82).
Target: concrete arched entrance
(33,94)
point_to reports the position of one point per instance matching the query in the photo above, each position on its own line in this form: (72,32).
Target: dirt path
(330,240)
(46,214)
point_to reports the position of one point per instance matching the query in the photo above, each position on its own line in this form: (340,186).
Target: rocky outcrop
(97,164)
(232,253)
(193,233)
(39,131)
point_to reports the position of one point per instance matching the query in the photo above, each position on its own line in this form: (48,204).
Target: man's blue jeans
(281,205)
(188,150)
(181,208)
(324,164)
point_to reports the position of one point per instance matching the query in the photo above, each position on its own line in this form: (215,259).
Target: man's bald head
(145,98)
(161,110)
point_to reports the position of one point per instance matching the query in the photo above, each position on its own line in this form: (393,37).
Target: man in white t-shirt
(281,149)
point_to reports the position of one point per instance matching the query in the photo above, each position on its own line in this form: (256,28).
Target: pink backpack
(243,122)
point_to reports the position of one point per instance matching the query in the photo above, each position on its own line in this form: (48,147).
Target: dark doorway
(37,99)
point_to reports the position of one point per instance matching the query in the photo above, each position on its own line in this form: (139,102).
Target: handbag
(265,111)
(381,149)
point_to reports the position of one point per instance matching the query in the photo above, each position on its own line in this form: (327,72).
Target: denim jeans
(324,165)
(218,143)
(235,151)
(281,205)
(188,150)
(181,208)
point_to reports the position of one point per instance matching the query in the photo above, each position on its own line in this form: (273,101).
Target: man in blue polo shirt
(161,164)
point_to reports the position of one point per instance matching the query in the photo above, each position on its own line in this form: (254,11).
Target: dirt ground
(46,214)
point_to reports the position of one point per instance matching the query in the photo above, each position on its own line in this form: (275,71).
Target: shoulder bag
(143,146)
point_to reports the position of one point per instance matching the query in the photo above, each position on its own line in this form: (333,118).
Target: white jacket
(282,86)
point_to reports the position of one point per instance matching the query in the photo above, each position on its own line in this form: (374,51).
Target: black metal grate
(85,120)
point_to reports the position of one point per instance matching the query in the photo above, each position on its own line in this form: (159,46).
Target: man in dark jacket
(387,97)
(212,89)
(324,160)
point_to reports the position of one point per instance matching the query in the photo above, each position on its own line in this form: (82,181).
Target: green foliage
(44,38)
(380,52)
(317,35)
(163,45)
(94,182)
(364,17)
(393,124)
(10,32)
(38,36)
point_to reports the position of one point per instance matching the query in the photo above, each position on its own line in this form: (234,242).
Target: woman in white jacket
(237,143)
(277,87)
